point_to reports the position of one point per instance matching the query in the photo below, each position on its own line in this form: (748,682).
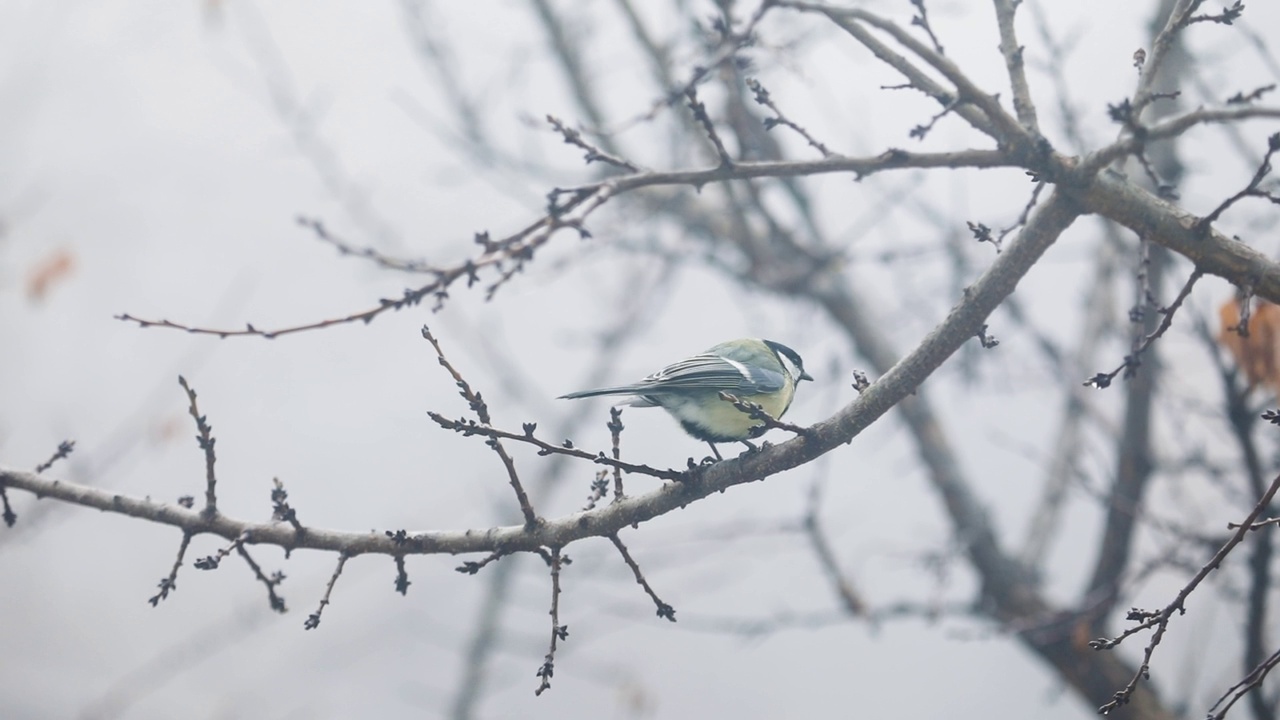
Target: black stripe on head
(792,356)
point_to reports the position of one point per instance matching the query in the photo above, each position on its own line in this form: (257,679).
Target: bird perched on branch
(763,372)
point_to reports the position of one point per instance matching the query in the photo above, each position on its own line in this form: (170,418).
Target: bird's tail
(633,390)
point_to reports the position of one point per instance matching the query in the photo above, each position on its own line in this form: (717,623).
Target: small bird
(759,371)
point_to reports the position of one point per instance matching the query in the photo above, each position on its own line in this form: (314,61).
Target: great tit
(759,371)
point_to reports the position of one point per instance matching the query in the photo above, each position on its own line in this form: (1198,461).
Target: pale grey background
(169,146)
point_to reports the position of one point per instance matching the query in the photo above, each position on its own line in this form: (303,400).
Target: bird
(752,369)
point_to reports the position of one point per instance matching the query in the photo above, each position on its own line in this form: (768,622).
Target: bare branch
(206,442)
(1173,227)
(731,42)
(615,435)
(313,620)
(170,583)
(481,409)
(757,412)
(402,576)
(594,154)
(922,21)
(558,632)
(1160,619)
(664,610)
(1252,682)
(64,450)
(1023,105)
(470,427)
(990,118)
(1228,15)
(368,253)
(599,489)
(270,583)
(281,510)
(761,96)
(1133,360)
(10,517)
(964,320)
(1253,189)
(851,601)
(1172,127)
(1153,62)
(699,111)
(569,210)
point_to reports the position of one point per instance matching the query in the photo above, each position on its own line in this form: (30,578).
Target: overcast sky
(154,157)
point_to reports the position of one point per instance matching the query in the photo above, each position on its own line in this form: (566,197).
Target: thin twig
(170,583)
(922,21)
(761,96)
(895,384)
(593,154)
(206,442)
(1133,360)
(402,576)
(757,412)
(1228,15)
(313,620)
(599,490)
(1026,213)
(730,43)
(281,510)
(471,567)
(214,561)
(10,517)
(1160,46)
(980,109)
(851,601)
(1253,189)
(64,449)
(1250,682)
(1257,525)
(505,258)
(664,610)
(1171,127)
(1160,619)
(481,409)
(1023,104)
(270,583)
(615,434)
(470,427)
(380,259)
(558,632)
(699,111)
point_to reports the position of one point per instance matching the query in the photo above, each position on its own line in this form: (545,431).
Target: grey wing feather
(700,372)
(712,372)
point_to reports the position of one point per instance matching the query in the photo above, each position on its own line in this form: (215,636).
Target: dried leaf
(54,268)
(1258,354)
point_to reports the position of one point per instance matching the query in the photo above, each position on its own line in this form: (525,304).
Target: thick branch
(1112,195)
(1012,51)
(959,327)
(999,124)
(1172,127)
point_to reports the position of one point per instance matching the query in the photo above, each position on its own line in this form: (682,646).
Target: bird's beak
(805,376)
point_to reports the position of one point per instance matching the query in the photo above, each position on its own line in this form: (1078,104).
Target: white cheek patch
(792,369)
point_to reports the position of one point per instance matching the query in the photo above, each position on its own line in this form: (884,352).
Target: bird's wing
(713,372)
(700,372)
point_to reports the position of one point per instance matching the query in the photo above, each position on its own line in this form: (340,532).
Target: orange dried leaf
(54,268)
(1258,355)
